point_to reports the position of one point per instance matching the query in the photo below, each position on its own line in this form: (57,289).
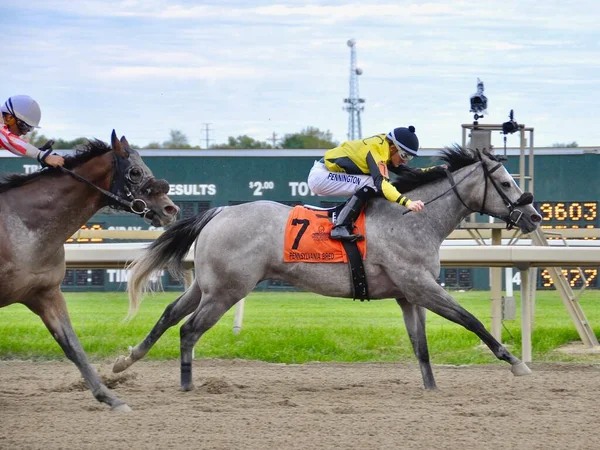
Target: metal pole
(522,159)
(188,278)
(525,316)
(239,316)
(508,274)
(496,290)
(531,160)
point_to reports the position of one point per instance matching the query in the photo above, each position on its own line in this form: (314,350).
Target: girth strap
(360,289)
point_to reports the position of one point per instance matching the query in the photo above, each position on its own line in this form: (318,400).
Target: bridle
(514,213)
(127,181)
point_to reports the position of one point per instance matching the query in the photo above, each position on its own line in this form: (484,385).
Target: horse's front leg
(52,309)
(414,319)
(184,305)
(428,294)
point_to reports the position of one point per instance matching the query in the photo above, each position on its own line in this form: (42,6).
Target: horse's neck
(441,217)
(61,204)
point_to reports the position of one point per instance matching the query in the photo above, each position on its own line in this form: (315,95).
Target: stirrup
(341,233)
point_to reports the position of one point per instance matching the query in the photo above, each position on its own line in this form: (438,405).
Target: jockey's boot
(344,222)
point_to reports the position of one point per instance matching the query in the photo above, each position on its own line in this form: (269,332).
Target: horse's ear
(116,145)
(124,142)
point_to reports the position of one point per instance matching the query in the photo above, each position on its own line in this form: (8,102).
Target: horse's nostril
(171,210)
(535,218)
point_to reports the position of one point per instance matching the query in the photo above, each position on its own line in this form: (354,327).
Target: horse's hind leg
(184,305)
(414,319)
(433,297)
(209,312)
(52,309)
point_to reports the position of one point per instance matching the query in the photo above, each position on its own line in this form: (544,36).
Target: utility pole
(207,130)
(354,104)
(273,139)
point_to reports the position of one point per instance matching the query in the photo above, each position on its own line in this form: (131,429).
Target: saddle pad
(307,238)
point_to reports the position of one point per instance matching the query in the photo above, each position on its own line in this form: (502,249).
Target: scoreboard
(567,194)
(565,214)
(561,215)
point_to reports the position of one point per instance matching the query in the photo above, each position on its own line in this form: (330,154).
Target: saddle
(307,240)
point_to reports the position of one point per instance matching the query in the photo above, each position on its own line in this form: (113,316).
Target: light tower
(354,104)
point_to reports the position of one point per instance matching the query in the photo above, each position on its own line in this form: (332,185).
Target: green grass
(290,327)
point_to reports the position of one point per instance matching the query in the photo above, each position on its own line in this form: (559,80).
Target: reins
(116,198)
(514,214)
(143,210)
(452,187)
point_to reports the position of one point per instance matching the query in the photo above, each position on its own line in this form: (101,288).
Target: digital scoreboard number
(575,276)
(573,215)
(89,226)
(563,215)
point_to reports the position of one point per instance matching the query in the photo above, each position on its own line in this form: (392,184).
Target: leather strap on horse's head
(120,195)
(128,179)
(514,214)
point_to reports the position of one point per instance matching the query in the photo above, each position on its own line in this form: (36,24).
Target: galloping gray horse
(238,246)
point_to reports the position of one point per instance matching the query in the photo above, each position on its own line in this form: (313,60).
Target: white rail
(111,256)
(103,256)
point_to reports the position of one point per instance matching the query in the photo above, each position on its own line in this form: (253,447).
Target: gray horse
(40,211)
(238,246)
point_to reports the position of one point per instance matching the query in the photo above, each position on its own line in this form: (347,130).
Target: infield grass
(295,327)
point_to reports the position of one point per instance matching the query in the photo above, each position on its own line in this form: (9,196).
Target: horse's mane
(455,157)
(83,153)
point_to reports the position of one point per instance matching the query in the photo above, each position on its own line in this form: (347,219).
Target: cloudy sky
(257,67)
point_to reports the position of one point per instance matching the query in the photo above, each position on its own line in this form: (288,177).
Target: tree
(310,137)
(177,140)
(242,142)
(562,145)
(39,140)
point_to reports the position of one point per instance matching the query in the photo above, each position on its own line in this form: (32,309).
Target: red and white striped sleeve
(16,145)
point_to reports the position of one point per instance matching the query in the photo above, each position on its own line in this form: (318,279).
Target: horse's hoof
(187,388)
(520,369)
(122,363)
(122,408)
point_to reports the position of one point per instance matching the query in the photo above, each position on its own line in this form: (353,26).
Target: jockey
(357,165)
(20,115)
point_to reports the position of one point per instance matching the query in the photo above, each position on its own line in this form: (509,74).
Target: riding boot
(344,222)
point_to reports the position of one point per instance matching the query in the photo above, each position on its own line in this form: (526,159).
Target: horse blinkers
(129,180)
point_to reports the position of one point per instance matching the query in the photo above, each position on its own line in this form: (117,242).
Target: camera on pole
(511,126)
(478,101)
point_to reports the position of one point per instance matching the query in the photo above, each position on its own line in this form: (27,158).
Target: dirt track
(240,404)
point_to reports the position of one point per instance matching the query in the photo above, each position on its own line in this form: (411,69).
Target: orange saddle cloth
(307,238)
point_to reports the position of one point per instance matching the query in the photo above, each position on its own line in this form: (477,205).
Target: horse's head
(134,182)
(502,197)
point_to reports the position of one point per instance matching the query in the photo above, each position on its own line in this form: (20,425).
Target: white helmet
(24,108)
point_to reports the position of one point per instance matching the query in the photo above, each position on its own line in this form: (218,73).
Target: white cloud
(179,73)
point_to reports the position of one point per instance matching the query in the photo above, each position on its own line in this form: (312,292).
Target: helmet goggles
(405,156)
(22,126)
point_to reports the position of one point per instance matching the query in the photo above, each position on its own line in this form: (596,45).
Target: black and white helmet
(405,140)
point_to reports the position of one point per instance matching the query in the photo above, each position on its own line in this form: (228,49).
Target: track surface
(254,405)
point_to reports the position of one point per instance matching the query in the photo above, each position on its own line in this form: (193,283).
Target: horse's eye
(506,184)
(135,175)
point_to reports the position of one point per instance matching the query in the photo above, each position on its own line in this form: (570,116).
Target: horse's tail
(168,250)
